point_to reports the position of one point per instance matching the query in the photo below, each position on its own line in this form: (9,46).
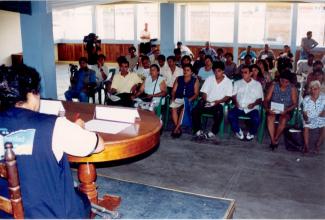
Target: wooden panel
(196,49)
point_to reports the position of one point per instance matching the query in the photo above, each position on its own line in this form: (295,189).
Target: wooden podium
(137,139)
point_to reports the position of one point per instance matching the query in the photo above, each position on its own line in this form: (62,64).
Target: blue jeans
(81,96)
(233,118)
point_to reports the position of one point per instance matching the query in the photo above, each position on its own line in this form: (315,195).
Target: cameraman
(82,82)
(92,46)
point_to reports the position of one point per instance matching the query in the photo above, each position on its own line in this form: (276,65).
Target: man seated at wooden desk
(124,85)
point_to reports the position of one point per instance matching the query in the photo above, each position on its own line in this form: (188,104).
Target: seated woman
(186,86)
(206,71)
(45,176)
(280,101)
(314,115)
(257,74)
(154,87)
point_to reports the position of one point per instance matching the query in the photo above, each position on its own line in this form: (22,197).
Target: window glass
(222,22)
(148,13)
(197,23)
(311,17)
(72,24)
(261,23)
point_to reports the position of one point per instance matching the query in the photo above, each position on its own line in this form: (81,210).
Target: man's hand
(112,91)
(134,89)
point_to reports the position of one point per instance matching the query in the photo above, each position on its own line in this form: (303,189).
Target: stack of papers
(114,98)
(112,120)
(277,108)
(177,103)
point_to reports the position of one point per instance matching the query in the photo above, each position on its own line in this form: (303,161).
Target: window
(210,22)
(115,22)
(222,22)
(72,24)
(261,23)
(311,17)
(148,13)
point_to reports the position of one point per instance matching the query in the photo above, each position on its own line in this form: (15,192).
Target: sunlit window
(72,24)
(311,17)
(148,13)
(261,23)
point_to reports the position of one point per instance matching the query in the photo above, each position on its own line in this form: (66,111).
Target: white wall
(10,36)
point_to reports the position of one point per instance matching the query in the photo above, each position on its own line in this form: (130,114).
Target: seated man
(124,85)
(143,71)
(266,53)
(216,89)
(82,82)
(248,95)
(248,51)
(172,73)
(132,58)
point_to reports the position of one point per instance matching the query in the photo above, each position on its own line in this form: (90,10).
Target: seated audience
(247,62)
(153,57)
(286,53)
(247,96)
(172,73)
(153,88)
(162,64)
(216,90)
(266,53)
(200,62)
(185,87)
(101,70)
(184,50)
(230,66)
(314,115)
(220,56)
(305,67)
(132,58)
(258,75)
(82,82)
(186,60)
(315,75)
(262,64)
(124,85)
(206,71)
(280,101)
(143,71)
(248,51)
(46,180)
(209,51)
(178,57)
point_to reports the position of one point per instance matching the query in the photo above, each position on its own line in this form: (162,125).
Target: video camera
(73,69)
(91,40)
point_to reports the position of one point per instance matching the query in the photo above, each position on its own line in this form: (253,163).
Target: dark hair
(171,58)
(269,60)
(179,43)
(177,51)
(264,63)
(132,48)
(283,63)
(121,60)
(219,50)
(230,55)
(155,66)
(83,59)
(161,57)
(244,66)
(286,74)
(16,83)
(188,65)
(260,74)
(208,57)
(186,57)
(247,56)
(143,58)
(218,65)
(101,56)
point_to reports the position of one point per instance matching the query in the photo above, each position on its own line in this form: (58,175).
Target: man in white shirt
(185,50)
(144,70)
(132,58)
(247,96)
(172,73)
(162,64)
(305,67)
(216,90)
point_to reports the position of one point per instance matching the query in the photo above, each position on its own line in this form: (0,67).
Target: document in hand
(109,127)
(114,98)
(177,103)
(52,107)
(277,107)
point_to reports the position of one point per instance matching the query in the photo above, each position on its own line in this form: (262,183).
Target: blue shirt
(205,74)
(83,78)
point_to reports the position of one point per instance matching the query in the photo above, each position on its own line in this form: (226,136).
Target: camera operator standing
(92,46)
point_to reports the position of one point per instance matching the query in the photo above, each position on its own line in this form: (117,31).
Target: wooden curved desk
(137,139)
